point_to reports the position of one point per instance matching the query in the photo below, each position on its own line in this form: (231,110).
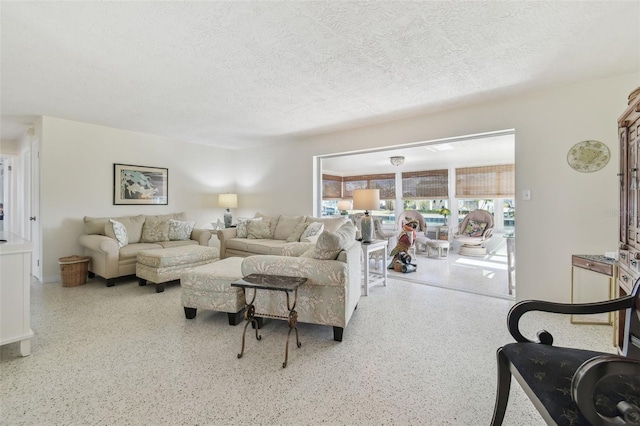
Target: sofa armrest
(202,236)
(318,272)
(104,253)
(101,244)
(224,235)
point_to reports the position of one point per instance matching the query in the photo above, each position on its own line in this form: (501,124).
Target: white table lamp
(366,199)
(343,206)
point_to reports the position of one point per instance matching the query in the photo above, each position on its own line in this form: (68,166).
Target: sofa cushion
(164,217)
(297,232)
(475,228)
(313,229)
(239,244)
(274,247)
(330,223)
(259,229)
(117,231)
(97,226)
(242,228)
(180,230)
(330,244)
(154,231)
(130,251)
(295,249)
(285,226)
(272,220)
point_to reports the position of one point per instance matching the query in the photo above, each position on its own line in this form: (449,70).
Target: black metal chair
(574,386)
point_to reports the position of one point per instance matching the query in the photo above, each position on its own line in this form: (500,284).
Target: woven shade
(331,187)
(385,182)
(425,184)
(486,182)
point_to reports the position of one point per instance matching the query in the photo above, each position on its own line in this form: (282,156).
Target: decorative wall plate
(588,156)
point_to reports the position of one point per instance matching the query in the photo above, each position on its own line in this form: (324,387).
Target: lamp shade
(366,199)
(228,200)
(344,205)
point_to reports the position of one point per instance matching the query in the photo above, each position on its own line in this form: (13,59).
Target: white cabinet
(15,291)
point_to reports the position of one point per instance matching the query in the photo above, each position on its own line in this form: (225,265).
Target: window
(429,208)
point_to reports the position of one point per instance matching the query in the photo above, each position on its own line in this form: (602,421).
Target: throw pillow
(259,230)
(272,220)
(118,231)
(285,226)
(475,229)
(180,230)
(242,228)
(330,244)
(297,233)
(313,229)
(154,231)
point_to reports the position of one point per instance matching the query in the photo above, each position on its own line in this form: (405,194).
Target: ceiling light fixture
(397,160)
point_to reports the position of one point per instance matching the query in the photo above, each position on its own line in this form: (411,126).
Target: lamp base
(366,223)
(227,219)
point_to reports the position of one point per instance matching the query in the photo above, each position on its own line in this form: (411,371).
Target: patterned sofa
(265,234)
(113,243)
(333,272)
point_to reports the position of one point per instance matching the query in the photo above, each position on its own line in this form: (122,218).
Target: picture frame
(137,185)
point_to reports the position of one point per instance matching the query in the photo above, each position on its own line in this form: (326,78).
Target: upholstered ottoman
(159,266)
(209,287)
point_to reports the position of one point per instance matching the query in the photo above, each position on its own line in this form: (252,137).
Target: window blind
(331,187)
(486,182)
(386,183)
(425,184)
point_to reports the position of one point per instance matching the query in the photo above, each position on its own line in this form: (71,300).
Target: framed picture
(140,185)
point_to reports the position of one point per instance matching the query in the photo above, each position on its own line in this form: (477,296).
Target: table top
(269,282)
(597,258)
(375,243)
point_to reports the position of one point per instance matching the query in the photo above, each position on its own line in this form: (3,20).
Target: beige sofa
(114,255)
(333,287)
(279,232)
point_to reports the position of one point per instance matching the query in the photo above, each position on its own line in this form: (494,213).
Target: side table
(272,283)
(597,275)
(371,278)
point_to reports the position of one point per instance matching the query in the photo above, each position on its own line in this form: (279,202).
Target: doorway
(488,274)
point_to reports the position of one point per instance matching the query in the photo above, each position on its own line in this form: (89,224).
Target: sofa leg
(337,334)
(159,288)
(190,313)
(235,318)
(142,282)
(91,274)
(111,282)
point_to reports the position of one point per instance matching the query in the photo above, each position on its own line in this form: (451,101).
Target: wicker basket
(74,270)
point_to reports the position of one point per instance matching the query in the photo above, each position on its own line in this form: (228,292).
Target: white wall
(569,213)
(77,180)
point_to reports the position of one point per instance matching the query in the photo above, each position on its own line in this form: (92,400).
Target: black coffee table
(272,283)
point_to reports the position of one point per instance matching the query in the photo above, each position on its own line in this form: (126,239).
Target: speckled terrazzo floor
(412,355)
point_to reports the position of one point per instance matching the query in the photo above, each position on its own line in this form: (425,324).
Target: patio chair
(475,229)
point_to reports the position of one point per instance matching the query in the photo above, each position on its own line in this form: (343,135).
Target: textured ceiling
(241,74)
